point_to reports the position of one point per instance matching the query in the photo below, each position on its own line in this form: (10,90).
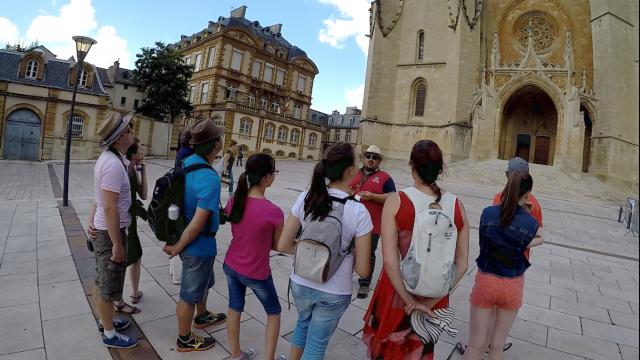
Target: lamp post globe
(83,45)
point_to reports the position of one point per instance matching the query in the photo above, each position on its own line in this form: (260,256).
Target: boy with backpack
(196,245)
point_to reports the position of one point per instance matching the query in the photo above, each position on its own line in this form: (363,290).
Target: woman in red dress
(387,332)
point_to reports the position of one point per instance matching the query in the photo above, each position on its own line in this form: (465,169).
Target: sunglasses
(371,157)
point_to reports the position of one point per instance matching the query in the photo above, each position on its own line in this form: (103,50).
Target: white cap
(374,150)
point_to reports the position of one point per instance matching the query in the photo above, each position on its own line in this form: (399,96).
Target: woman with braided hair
(387,332)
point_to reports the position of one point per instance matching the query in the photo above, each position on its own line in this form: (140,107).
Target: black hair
(426,160)
(337,158)
(257,167)
(205,148)
(133,149)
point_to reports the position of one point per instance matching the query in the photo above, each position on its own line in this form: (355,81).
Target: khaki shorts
(109,275)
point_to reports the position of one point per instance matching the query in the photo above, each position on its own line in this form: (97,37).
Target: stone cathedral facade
(552,81)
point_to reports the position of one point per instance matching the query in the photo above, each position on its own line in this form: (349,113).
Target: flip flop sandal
(136,299)
(130,310)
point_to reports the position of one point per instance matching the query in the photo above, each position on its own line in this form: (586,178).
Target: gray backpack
(319,252)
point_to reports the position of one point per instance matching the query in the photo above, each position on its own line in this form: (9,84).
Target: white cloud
(78,17)
(355,96)
(8,32)
(353,22)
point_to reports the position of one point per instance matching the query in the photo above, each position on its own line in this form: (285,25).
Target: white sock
(110,333)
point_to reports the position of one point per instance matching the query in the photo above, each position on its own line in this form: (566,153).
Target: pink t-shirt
(252,240)
(110,174)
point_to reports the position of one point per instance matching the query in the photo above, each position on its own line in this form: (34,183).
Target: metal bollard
(620,215)
(629,220)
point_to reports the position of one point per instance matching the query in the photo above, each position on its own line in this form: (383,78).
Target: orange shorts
(490,290)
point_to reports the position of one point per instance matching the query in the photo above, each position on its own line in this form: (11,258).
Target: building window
(264,102)
(420,99)
(236,60)
(420,49)
(245,126)
(198,62)
(192,94)
(83,78)
(268,73)
(77,126)
(231,92)
(313,139)
(187,60)
(295,136)
(218,120)
(350,121)
(282,134)
(280,77)
(297,109)
(302,83)
(204,94)
(336,135)
(126,86)
(251,99)
(136,103)
(269,131)
(32,69)
(211,57)
(255,71)
(275,107)
(347,136)
(123,101)
(292,155)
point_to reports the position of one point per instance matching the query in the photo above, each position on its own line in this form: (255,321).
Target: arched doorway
(22,135)
(528,127)
(586,149)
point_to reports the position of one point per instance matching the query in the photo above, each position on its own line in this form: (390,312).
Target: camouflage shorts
(109,274)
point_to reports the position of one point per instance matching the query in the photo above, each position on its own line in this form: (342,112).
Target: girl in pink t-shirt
(256,223)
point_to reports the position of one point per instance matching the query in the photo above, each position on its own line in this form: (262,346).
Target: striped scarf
(430,328)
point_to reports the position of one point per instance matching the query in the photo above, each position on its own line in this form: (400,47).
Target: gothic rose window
(543,30)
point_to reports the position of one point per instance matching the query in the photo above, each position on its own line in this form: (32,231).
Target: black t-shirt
(231,160)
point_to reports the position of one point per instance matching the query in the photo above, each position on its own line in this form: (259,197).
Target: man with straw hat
(197,244)
(110,217)
(372,185)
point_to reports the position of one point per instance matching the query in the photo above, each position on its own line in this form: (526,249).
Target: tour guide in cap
(373,186)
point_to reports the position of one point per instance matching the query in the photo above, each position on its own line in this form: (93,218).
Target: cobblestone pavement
(581,294)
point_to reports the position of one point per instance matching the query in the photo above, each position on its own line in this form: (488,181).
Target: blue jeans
(264,289)
(318,317)
(197,278)
(230,175)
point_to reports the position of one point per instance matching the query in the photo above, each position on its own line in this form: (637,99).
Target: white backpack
(428,269)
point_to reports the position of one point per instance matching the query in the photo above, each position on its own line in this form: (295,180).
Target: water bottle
(173,212)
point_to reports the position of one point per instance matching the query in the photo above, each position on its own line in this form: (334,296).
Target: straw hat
(374,150)
(204,130)
(112,127)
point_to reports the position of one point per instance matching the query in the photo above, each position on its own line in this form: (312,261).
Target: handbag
(430,328)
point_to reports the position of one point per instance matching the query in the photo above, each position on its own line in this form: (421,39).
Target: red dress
(387,330)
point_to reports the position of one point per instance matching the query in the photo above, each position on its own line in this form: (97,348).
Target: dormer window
(83,78)
(32,69)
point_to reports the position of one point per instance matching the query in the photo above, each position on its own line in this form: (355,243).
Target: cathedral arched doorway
(528,127)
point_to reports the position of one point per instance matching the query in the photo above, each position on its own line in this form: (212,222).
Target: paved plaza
(581,293)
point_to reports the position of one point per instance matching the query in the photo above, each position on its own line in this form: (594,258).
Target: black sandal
(136,299)
(130,309)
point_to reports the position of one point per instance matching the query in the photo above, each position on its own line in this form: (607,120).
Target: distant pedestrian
(197,244)
(506,230)
(112,217)
(240,156)
(322,302)
(185,147)
(228,161)
(373,186)
(256,224)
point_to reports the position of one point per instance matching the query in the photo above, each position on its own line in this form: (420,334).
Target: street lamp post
(83,44)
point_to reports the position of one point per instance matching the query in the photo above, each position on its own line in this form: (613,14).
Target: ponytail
(239,199)
(339,157)
(256,168)
(436,189)
(519,183)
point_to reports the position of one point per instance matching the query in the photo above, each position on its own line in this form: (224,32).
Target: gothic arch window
(419,97)
(32,69)
(420,46)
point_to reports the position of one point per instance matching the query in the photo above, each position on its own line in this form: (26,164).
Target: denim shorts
(318,317)
(197,278)
(264,289)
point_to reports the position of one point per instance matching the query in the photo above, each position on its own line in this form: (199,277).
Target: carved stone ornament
(495,52)
(388,14)
(461,6)
(543,28)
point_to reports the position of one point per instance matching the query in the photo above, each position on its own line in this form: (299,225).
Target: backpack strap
(195,167)
(344,201)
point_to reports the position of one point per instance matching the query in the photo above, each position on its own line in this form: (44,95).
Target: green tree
(20,47)
(163,77)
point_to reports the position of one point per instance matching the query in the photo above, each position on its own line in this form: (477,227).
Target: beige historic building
(256,84)
(118,82)
(553,81)
(342,127)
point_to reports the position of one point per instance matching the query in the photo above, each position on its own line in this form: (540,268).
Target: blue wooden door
(22,136)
